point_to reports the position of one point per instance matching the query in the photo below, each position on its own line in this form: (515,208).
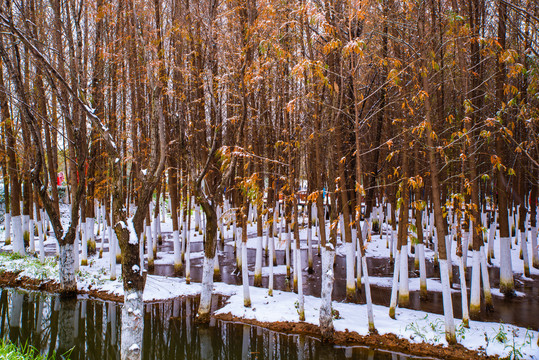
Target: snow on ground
(417,326)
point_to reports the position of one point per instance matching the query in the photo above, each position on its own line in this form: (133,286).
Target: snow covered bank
(414,326)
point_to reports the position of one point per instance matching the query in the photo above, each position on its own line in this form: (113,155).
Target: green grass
(10,351)
(30,265)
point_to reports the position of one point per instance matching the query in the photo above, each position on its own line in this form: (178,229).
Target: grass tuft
(10,351)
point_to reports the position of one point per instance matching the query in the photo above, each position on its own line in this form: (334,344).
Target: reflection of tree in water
(67,325)
(53,325)
(164,330)
(15,316)
(132,325)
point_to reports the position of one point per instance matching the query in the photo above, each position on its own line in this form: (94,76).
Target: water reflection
(91,329)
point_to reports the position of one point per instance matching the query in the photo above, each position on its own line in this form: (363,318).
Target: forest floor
(414,332)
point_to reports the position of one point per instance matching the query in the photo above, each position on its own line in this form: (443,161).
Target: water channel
(86,328)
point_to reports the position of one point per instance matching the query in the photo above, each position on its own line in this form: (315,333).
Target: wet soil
(386,341)
(11,280)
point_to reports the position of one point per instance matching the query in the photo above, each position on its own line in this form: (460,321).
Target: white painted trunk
(76,249)
(41,240)
(422,270)
(535,251)
(485,277)
(84,245)
(163,211)
(177,249)
(435,240)
(295,265)
(354,238)
(392,242)
(7,226)
(132,326)
(216,269)
(448,245)
(465,241)
(156,233)
(281,225)
(159,233)
(102,240)
(464,294)
(149,249)
(370,314)
(380,218)
(271,257)
(207,287)
(238,248)
(350,280)
(234,229)
(404,293)
(68,282)
(258,261)
(25,228)
(369,229)
(245,276)
(506,268)
(524,249)
(90,225)
(31,237)
(447,302)
(492,236)
(394,285)
(185,234)
(18,240)
(310,245)
(301,301)
(287,252)
(112,253)
(475,289)
(326,315)
(188,257)
(432,228)
(341,227)
(358,265)
(364,230)
(99,220)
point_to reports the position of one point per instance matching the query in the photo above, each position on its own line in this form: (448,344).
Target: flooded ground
(514,310)
(91,329)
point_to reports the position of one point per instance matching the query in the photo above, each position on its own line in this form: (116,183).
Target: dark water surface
(514,310)
(91,329)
